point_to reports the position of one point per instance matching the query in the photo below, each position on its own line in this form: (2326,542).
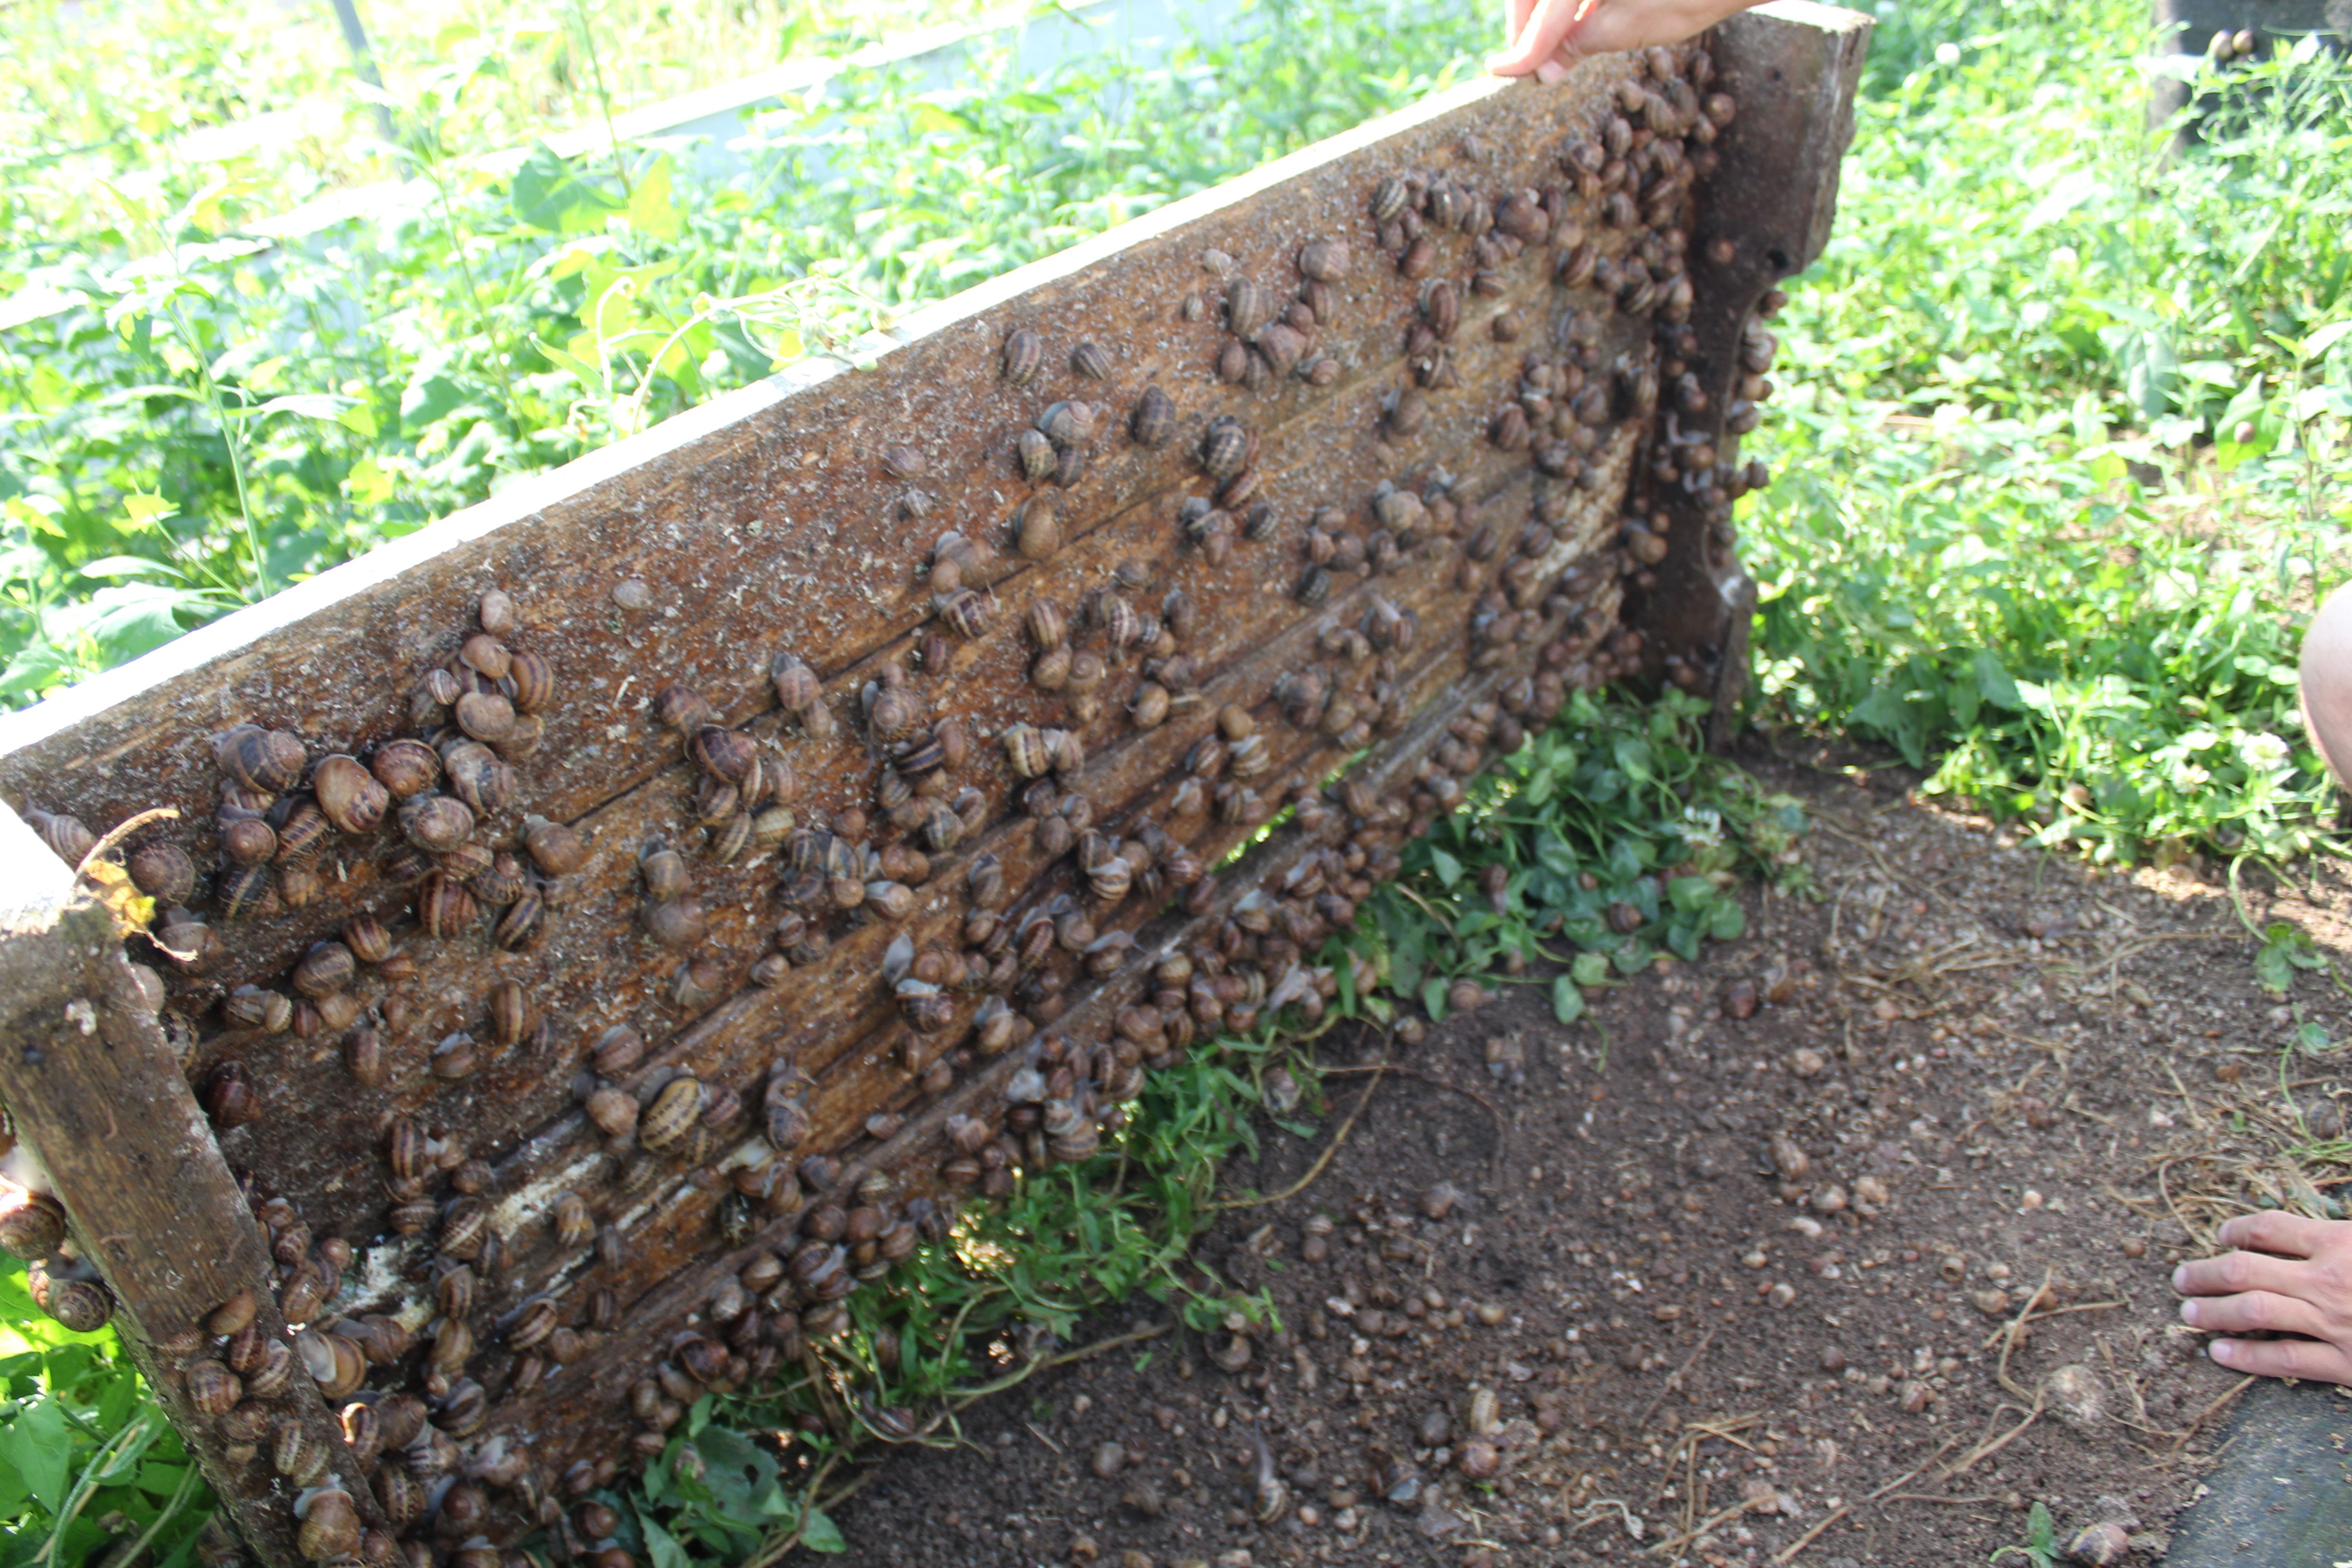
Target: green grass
(2062,449)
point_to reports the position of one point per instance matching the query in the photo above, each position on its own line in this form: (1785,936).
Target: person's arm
(1549,35)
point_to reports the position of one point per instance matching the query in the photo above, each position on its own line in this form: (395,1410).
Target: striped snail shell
(1025,354)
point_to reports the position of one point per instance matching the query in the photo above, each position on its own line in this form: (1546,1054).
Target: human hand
(1549,35)
(2292,1276)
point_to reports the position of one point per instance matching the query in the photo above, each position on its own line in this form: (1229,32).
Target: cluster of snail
(61,1282)
(1030,924)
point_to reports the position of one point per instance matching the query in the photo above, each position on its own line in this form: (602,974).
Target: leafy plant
(2064,455)
(89,1465)
(1613,834)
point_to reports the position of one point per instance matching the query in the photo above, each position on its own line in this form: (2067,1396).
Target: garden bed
(1957,1315)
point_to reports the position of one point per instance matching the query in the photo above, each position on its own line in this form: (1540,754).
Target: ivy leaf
(1567,1001)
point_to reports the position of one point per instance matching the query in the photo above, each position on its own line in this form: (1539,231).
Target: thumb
(1546,30)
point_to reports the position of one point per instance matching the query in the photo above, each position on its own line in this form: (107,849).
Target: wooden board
(1391,576)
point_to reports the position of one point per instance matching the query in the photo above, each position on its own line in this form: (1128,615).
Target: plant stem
(232,434)
(84,1485)
(603,99)
(472,289)
(179,1500)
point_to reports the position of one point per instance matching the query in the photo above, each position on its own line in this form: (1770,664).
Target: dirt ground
(1842,1246)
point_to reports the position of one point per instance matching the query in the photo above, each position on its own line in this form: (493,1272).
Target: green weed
(2040,1548)
(1610,839)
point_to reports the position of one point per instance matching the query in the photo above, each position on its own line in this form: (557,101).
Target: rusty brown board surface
(804,515)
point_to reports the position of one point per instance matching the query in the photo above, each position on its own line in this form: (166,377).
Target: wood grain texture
(95,1093)
(803,515)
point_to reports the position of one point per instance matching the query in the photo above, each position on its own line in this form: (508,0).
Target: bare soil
(1854,1278)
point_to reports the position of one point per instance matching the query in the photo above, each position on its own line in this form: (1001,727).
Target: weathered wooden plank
(847,1046)
(1583,374)
(597,969)
(1793,67)
(160,1238)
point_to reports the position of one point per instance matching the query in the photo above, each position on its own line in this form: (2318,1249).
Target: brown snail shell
(454,1057)
(520,926)
(363,1057)
(665,872)
(2101,1544)
(1224,447)
(33,1226)
(485,715)
(529,683)
(65,836)
(83,1306)
(556,849)
(1034,453)
(1325,260)
(249,842)
(1154,422)
(497,612)
(444,907)
(1037,529)
(269,761)
(613,1110)
(963,612)
(296,1454)
(256,1008)
(330,1528)
(229,1097)
(616,1050)
(672,1114)
(436,823)
(1248,306)
(351,796)
(1025,354)
(511,1014)
(573,1228)
(683,708)
(1027,750)
(165,873)
(302,834)
(725,754)
(213,1389)
(327,968)
(478,777)
(1090,361)
(1149,707)
(796,685)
